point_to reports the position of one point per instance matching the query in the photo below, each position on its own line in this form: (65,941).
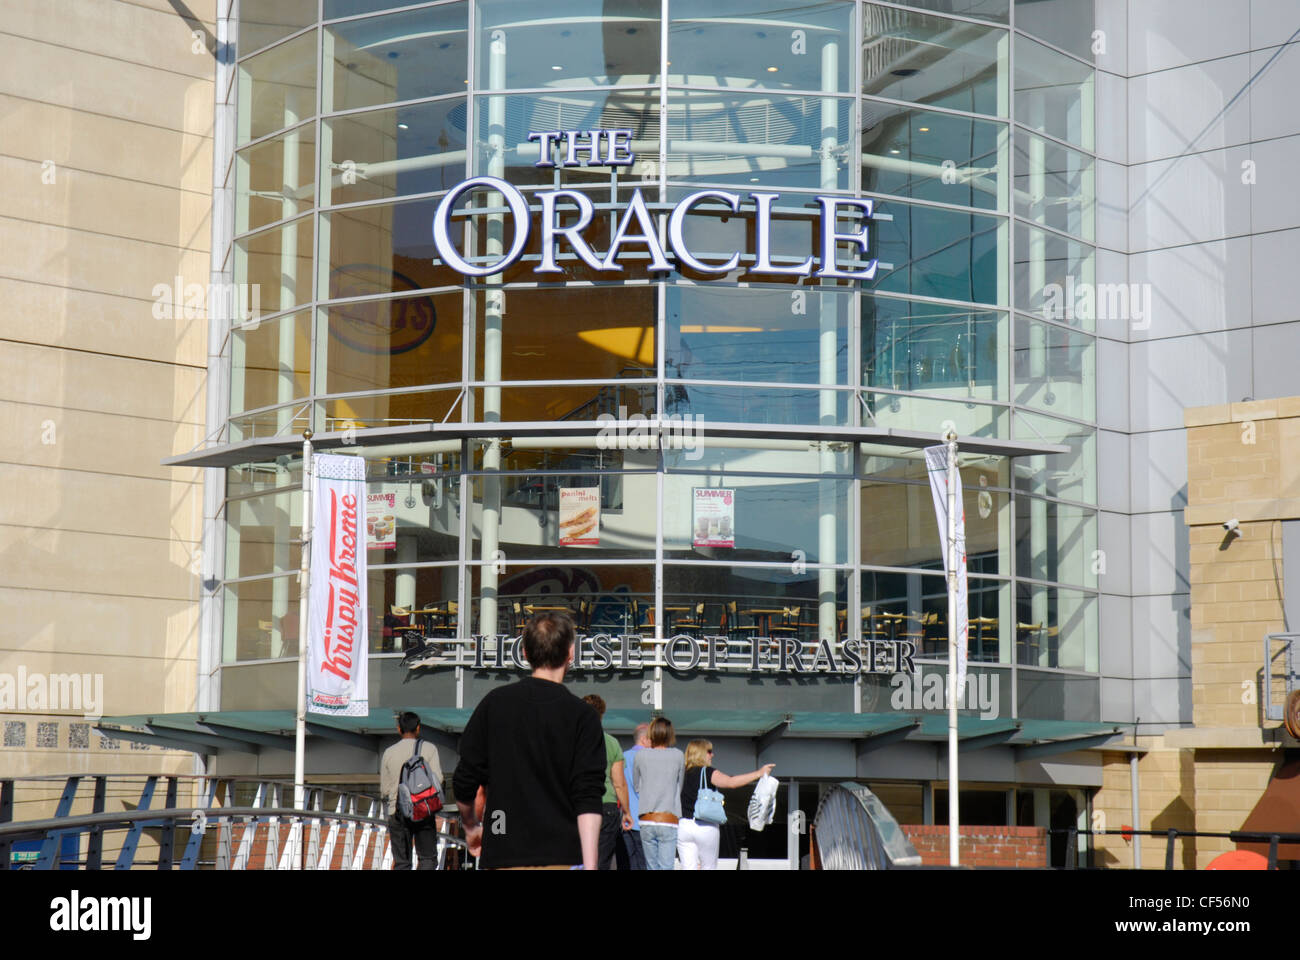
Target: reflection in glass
(748,43)
(898,527)
(1055,541)
(1067,24)
(1055,369)
(567,43)
(1054,185)
(913,345)
(756,335)
(933,156)
(403,342)
(1054,277)
(265,21)
(261,620)
(928,414)
(929,251)
(913,607)
(1071,475)
(387,153)
(381,249)
(757,404)
(400,56)
(263,534)
(410,605)
(1056,627)
(1053,93)
(390,409)
(276,265)
(276,179)
(277,88)
(924,59)
(270,363)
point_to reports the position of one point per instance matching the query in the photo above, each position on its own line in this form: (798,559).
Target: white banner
(338,680)
(936,463)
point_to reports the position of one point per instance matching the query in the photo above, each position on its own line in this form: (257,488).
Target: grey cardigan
(657,779)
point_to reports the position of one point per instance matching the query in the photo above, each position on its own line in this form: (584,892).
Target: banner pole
(954,856)
(304,588)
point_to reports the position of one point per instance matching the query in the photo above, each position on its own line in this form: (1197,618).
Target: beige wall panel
(111,30)
(50,560)
(34,802)
(51,74)
(82,381)
(108,206)
(74,139)
(74,623)
(87,501)
(129,684)
(87,439)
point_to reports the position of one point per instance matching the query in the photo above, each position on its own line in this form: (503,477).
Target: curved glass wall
(967,124)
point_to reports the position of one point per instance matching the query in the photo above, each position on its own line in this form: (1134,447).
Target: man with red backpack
(410,777)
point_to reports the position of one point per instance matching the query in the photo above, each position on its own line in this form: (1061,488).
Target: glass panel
(276,265)
(1067,24)
(995,10)
(613,597)
(410,604)
(1054,185)
(505,121)
(1054,277)
(933,156)
(379,344)
(902,412)
(929,251)
(757,405)
(910,345)
(268,475)
(402,56)
(568,333)
(770,519)
(893,464)
(382,249)
(760,594)
(1055,369)
(898,527)
(276,179)
(261,620)
(756,335)
(773,140)
(1057,696)
(1056,541)
(924,59)
(388,153)
(567,43)
(756,43)
(585,402)
(266,21)
(263,533)
(277,88)
(913,607)
(1056,628)
(270,362)
(413,519)
(290,420)
(721,455)
(1053,93)
(389,410)
(1070,476)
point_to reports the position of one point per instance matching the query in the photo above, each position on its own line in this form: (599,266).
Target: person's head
(661,732)
(596,702)
(641,735)
(408,724)
(548,640)
(699,753)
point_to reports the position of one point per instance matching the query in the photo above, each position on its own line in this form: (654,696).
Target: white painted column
(828,341)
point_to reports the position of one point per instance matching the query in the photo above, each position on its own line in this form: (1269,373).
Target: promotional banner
(579,516)
(936,463)
(714,517)
(338,679)
(381,521)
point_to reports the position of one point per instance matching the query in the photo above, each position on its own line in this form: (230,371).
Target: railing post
(1169,849)
(95,840)
(1272,852)
(6,815)
(1072,848)
(167,840)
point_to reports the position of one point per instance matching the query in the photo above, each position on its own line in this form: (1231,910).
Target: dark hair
(662,733)
(596,701)
(408,722)
(548,640)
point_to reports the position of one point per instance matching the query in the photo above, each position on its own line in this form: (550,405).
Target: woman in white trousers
(697,843)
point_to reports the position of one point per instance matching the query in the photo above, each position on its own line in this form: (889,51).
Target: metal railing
(1272,710)
(212,829)
(1172,835)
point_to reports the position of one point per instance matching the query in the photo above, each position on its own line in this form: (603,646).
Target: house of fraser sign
(636,224)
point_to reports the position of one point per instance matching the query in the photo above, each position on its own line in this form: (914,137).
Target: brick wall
(981,846)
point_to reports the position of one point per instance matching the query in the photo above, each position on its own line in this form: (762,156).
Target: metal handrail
(1272,838)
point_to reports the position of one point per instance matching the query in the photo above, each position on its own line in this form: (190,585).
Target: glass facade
(972,140)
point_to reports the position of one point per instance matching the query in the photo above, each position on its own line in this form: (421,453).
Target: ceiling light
(403,126)
(556,68)
(924,129)
(895,151)
(771,69)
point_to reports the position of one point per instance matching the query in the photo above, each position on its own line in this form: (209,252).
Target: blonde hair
(697,753)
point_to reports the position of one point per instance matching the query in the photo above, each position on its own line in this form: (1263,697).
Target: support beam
(980,742)
(1034,751)
(211,742)
(327,732)
(154,739)
(883,738)
(769,737)
(276,741)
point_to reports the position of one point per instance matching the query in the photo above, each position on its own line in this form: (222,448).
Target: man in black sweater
(539,754)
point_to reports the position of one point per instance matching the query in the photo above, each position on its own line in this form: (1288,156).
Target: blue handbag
(709,804)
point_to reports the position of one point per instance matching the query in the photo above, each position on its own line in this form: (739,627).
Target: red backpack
(419,795)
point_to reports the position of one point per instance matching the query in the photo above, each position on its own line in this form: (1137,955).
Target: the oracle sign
(636,225)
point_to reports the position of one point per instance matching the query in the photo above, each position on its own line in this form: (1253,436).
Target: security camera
(1232,526)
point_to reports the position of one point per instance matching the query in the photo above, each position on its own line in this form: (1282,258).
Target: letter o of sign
(442,218)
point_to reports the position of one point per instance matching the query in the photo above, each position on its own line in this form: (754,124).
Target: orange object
(1126,832)
(1238,860)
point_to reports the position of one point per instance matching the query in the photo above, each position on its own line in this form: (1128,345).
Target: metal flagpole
(304,588)
(954,857)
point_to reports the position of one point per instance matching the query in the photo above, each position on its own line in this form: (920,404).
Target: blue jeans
(659,840)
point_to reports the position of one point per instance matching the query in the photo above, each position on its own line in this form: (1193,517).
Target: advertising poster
(579,516)
(381,521)
(714,517)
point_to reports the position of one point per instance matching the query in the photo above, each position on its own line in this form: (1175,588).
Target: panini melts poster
(579,516)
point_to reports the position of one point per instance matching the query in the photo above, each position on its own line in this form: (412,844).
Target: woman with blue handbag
(699,836)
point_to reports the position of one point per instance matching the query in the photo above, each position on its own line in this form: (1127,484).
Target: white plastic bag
(762,805)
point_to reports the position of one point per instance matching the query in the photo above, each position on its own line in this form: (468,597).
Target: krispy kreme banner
(337,663)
